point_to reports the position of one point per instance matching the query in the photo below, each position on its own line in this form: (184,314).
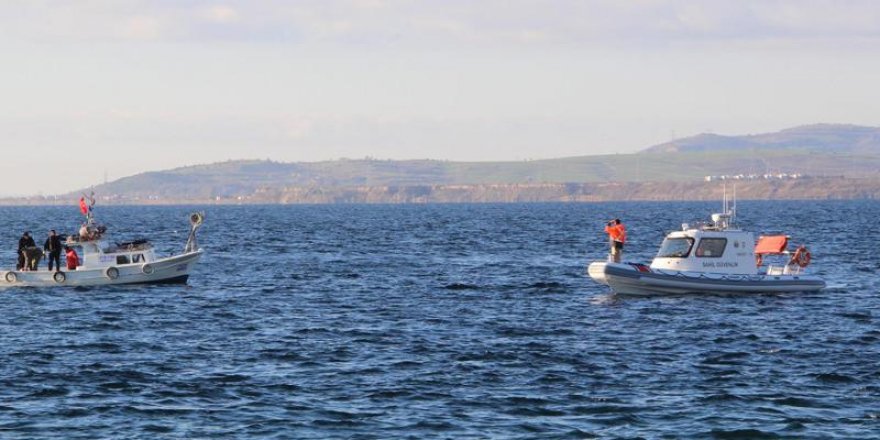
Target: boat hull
(169,270)
(633,279)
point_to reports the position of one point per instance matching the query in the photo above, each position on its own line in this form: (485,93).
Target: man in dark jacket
(52,246)
(24,242)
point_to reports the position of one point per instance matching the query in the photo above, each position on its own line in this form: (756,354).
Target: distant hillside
(800,189)
(828,188)
(815,151)
(838,138)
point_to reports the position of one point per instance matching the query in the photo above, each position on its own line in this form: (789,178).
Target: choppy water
(441,321)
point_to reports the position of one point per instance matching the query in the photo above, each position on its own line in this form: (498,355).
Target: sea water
(453,321)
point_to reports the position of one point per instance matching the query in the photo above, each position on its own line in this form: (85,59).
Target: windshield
(675,248)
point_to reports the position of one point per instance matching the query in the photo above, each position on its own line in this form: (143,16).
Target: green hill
(840,138)
(816,150)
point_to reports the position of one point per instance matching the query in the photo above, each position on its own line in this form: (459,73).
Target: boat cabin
(711,247)
(100,253)
(697,250)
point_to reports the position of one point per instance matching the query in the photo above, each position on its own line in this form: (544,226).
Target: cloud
(221,14)
(828,18)
(447,23)
(141,28)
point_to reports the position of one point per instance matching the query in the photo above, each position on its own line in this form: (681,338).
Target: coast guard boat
(103,262)
(712,257)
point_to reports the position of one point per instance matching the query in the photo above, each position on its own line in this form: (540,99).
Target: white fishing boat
(712,257)
(103,262)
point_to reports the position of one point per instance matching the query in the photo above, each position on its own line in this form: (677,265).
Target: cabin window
(137,258)
(711,247)
(122,259)
(675,247)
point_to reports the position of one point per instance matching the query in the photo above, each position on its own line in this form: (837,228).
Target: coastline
(813,188)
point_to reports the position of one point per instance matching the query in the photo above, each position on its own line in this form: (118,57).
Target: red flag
(82,206)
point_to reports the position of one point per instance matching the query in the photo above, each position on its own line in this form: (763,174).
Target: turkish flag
(82,206)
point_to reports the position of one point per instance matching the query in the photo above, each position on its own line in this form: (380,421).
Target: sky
(112,88)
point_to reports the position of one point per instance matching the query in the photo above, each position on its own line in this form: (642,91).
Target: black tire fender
(59,277)
(112,273)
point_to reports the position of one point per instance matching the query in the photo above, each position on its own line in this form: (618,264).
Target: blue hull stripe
(739,281)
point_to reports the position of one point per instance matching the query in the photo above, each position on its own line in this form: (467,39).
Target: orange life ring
(801,257)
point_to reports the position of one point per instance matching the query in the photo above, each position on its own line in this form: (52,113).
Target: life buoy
(801,257)
(147,269)
(11,277)
(112,273)
(59,277)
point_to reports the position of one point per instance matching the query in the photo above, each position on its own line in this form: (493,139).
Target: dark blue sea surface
(451,321)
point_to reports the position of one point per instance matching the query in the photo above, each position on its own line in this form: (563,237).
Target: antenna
(724,219)
(733,210)
(724,199)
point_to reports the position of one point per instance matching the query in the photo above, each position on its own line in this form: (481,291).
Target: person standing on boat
(52,246)
(86,208)
(617,237)
(24,242)
(72,258)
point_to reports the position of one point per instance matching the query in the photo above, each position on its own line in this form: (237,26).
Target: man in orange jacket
(617,237)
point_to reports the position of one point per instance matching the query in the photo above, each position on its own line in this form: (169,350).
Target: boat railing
(77,240)
(787,269)
(706,226)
